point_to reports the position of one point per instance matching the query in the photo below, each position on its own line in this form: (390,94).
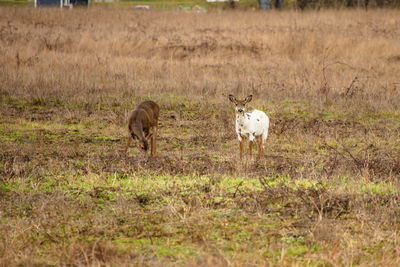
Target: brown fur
(143,125)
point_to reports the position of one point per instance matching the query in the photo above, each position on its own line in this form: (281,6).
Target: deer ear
(233,99)
(248,99)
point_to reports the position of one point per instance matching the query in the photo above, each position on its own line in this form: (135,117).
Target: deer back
(146,114)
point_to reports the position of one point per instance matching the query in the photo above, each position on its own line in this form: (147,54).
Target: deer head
(240,104)
(137,133)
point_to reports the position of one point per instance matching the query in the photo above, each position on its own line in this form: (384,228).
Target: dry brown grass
(82,55)
(326,192)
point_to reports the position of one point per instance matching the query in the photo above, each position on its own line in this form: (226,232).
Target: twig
(237,189)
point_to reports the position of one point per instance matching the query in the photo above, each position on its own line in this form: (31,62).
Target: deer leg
(154,142)
(152,146)
(151,134)
(251,149)
(128,143)
(260,148)
(241,148)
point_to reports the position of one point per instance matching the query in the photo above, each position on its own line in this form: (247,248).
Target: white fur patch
(252,124)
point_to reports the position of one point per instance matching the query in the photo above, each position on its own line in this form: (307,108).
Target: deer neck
(240,116)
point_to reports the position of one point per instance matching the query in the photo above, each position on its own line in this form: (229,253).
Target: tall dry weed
(65,55)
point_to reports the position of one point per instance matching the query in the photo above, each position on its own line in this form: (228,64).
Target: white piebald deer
(252,124)
(142,125)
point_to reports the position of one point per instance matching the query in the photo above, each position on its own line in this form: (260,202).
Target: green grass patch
(15,3)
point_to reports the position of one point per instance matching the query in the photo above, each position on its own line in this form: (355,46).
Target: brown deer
(142,125)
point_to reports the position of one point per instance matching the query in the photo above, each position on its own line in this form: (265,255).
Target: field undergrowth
(326,192)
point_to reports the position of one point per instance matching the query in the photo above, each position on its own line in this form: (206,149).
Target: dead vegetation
(326,192)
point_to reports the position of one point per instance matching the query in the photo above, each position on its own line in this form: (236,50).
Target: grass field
(326,192)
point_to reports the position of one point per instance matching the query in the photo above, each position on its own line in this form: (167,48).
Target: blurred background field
(203,5)
(326,192)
